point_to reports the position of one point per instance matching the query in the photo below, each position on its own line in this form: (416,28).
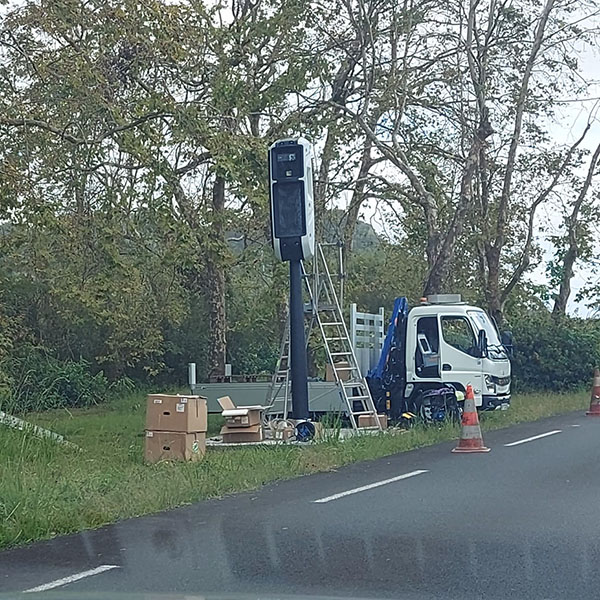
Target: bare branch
(27,122)
(42,125)
(519,112)
(525,254)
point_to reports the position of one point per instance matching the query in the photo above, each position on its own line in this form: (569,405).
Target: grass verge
(47,489)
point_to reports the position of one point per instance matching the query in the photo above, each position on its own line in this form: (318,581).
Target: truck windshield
(482,321)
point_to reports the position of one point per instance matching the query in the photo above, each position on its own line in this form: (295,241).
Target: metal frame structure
(324,311)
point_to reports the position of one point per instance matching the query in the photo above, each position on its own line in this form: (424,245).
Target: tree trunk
(560,303)
(496,298)
(215,271)
(438,273)
(561,300)
(493,292)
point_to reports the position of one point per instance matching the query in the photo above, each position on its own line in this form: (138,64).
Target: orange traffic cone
(595,401)
(470,434)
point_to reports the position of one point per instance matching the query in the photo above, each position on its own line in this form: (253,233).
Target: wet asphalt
(519,522)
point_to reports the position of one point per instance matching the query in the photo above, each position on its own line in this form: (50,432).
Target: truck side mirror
(506,338)
(482,343)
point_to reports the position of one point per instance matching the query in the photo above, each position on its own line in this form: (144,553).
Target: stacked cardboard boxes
(369,421)
(242,424)
(175,427)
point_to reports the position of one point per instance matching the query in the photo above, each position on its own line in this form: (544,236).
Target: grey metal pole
(192,377)
(299,371)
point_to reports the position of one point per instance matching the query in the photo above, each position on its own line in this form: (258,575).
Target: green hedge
(557,355)
(549,355)
(39,381)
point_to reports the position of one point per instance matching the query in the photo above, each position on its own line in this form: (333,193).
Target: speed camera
(292,203)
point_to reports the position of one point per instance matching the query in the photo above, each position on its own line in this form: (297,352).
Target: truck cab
(451,343)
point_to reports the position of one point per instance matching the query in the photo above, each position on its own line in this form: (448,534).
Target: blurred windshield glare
(482,321)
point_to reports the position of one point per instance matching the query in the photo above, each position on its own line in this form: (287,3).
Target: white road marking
(575,425)
(535,437)
(364,488)
(71,578)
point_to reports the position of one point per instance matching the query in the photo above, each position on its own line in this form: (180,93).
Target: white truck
(432,351)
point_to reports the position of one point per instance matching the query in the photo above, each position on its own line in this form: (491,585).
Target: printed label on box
(195,447)
(183,400)
(157,401)
(245,420)
(149,434)
(180,407)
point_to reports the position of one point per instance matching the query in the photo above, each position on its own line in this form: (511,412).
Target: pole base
(468,450)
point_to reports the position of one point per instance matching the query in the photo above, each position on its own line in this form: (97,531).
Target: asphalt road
(522,521)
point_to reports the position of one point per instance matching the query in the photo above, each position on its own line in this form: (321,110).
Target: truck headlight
(489,383)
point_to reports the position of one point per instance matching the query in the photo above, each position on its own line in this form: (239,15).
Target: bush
(553,354)
(39,381)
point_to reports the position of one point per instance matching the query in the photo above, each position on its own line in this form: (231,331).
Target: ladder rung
(353,384)
(364,412)
(338,323)
(358,397)
(310,307)
(335,339)
(341,353)
(346,368)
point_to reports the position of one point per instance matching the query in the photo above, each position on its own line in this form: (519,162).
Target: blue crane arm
(396,327)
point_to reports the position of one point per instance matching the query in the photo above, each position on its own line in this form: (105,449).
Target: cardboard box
(238,435)
(344,375)
(246,418)
(242,416)
(319,430)
(173,445)
(185,414)
(284,434)
(369,421)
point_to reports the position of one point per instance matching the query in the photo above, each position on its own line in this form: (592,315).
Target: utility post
(293,233)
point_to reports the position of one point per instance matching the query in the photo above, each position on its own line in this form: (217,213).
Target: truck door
(460,362)
(427,355)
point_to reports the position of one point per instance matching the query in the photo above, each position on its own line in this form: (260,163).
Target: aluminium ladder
(279,391)
(324,310)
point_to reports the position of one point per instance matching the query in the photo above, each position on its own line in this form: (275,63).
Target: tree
(577,234)
(177,100)
(437,75)
(506,182)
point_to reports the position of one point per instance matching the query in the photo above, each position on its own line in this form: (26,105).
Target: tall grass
(48,489)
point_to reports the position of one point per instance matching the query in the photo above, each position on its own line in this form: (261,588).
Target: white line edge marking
(70,579)
(364,488)
(535,437)
(575,425)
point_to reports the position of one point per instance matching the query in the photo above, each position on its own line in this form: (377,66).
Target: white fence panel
(367,332)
